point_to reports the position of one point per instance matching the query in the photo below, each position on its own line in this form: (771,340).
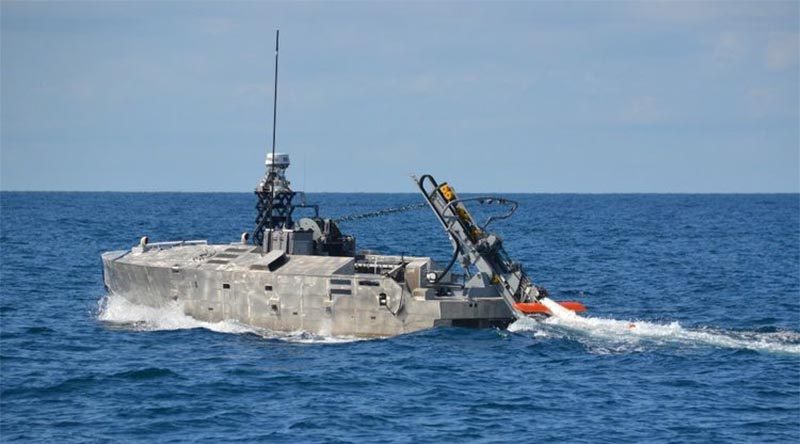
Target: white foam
(599,334)
(114,309)
(615,334)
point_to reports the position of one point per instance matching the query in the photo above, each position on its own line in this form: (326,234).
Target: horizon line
(413,192)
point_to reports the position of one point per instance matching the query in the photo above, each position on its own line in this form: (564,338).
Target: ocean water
(692,333)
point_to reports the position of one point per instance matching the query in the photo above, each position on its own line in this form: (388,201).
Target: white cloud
(641,110)
(781,51)
(216,25)
(259,89)
(742,14)
(730,48)
(680,12)
(427,83)
(761,100)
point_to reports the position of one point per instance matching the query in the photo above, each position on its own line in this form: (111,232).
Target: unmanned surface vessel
(306,275)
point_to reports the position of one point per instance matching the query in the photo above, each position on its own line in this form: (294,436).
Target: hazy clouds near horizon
(516,97)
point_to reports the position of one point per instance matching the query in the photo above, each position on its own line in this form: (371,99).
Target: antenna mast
(275,99)
(274,194)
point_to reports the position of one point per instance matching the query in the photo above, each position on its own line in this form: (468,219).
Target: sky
(534,97)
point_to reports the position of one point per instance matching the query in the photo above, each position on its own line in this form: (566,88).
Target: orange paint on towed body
(536,307)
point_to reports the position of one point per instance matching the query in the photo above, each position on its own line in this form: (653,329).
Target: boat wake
(600,335)
(118,312)
(614,336)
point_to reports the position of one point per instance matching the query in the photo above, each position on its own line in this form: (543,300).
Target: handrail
(171,244)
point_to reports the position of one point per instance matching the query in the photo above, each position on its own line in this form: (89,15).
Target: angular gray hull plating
(367,296)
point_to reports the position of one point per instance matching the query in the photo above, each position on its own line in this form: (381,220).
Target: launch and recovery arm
(476,248)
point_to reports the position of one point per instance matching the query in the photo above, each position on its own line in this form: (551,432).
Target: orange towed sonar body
(537,307)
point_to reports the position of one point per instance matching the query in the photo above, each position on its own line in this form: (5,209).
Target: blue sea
(692,332)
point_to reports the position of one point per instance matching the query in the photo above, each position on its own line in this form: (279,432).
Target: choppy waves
(728,371)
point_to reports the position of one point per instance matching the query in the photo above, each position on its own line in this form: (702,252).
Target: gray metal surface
(318,294)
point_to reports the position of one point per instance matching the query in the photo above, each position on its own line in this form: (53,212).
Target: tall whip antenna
(275,100)
(274,128)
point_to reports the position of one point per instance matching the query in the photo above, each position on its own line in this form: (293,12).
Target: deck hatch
(341,282)
(272,261)
(278,263)
(340,291)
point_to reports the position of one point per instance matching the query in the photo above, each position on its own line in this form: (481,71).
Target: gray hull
(369,296)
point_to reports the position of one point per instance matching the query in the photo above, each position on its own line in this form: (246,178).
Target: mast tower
(274,207)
